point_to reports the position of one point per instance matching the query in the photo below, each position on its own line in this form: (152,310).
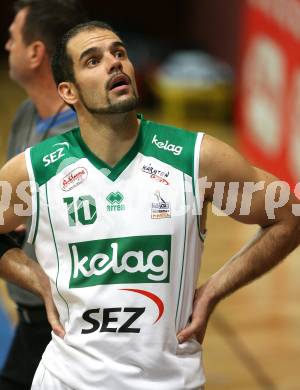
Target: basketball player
(116,231)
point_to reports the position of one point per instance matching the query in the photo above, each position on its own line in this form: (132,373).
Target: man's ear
(36,54)
(68,92)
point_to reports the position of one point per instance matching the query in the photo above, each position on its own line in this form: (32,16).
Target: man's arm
(12,176)
(278,235)
(15,265)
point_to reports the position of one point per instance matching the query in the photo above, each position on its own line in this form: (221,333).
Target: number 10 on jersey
(82,210)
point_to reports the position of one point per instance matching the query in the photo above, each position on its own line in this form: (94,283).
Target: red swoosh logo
(151,296)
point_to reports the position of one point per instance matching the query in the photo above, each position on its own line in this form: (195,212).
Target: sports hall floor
(253,338)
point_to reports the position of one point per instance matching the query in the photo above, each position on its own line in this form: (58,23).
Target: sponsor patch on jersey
(115,201)
(56,155)
(125,260)
(156,174)
(166,145)
(161,208)
(73,179)
(121,319)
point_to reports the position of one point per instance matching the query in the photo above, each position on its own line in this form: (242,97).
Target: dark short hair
(62,63)
(48,20)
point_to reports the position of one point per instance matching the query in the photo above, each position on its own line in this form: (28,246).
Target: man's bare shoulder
(14,180)
(221,162)
(15,170)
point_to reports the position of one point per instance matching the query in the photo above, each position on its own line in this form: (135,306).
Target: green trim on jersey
(168,144)
(56,251)
(196,205)
(37,216)
(111,172)
(183,255)
(194,193)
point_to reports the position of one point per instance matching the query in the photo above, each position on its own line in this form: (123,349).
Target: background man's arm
(278,235)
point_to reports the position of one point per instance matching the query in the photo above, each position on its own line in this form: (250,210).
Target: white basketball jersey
(122,249)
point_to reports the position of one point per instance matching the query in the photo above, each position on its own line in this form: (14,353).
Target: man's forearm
(263,252)
(16,267)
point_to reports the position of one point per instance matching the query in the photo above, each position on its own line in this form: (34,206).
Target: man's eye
(119,54)
(93,61)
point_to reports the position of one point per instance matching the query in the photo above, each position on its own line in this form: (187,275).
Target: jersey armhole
(34,199)
(196,174)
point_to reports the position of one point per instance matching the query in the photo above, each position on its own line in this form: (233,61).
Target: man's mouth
(118,82)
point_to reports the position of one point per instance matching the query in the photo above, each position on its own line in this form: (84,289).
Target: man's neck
(44,95)
(110,136)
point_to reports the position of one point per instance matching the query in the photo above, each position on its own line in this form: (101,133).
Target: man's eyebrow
(87,52)
(116,44)
(97,50)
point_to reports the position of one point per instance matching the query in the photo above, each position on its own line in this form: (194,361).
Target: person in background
(33,35)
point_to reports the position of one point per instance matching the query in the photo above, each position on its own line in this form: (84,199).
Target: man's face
(104,76)
(17,49)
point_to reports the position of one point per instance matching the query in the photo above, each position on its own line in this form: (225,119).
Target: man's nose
(7,45)
(115,65)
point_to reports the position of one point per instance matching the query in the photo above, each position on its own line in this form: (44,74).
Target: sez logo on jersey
(139,259)
(120,319)
(57,154)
